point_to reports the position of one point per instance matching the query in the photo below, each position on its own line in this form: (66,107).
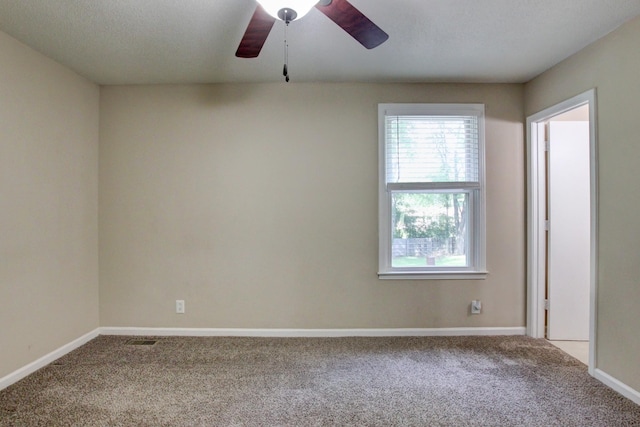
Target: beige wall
(257,204)
(612,65)
(48,199)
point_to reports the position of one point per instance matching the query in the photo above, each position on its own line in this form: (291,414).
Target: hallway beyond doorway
(577,349)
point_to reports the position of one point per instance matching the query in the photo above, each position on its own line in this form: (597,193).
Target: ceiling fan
(341,12)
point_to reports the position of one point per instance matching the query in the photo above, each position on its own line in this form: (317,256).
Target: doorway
(562,224)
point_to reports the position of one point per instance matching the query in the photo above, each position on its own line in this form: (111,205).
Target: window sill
(434,275)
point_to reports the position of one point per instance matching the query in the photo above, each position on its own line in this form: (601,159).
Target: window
(431,191)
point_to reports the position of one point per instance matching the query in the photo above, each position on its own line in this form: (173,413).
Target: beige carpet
(434,381)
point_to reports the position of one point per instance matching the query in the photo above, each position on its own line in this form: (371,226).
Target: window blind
(431,149)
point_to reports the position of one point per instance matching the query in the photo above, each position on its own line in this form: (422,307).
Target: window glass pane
(430,229)
(431,149)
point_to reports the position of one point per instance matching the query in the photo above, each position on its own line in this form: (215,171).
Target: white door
(569,230)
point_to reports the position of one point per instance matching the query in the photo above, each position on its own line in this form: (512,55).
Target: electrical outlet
(476,306)
(180,306)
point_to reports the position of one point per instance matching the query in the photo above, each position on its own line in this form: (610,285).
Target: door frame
(536,216)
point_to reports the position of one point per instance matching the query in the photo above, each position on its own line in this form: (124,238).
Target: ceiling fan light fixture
(300,7)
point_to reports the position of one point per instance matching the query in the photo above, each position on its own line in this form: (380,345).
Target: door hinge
(547,225)
(546,304)
(546,146)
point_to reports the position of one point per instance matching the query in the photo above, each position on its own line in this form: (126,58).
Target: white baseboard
(19,374)
(234,332)
(617,385)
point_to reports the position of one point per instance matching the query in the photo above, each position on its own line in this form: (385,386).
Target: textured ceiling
(194,41)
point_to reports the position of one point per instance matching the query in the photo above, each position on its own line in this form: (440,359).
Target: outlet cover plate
(180,306)
(476,307)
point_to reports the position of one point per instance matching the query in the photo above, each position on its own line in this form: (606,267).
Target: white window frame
(477,235)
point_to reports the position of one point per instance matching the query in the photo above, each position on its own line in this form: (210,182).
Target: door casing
(536,209)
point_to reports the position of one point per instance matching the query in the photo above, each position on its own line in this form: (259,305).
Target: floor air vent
(141,342)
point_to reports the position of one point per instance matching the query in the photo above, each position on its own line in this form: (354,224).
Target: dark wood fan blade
(354,22)
(256,34)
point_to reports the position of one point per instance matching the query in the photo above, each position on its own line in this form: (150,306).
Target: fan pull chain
(285,70)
